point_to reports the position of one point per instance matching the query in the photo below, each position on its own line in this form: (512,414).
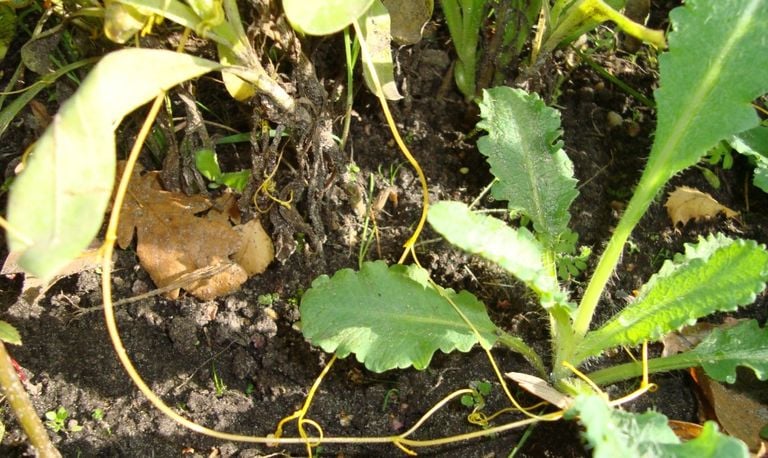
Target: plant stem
(633,369)
(651,182)
(649,186)
(22,407)
(517,344)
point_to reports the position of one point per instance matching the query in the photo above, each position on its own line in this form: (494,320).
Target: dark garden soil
(250,338)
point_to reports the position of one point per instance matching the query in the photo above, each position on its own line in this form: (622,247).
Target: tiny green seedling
(268,300)
(389,397)
(98,416)
(476,400)
(58,420)
(218,384)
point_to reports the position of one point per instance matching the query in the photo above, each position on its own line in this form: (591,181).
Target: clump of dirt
(239,363)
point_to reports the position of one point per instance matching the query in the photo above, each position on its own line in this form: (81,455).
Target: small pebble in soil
(613,119)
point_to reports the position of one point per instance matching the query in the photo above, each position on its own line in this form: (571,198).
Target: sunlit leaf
(716,274)
(525,152)
(324,17)
(390,317)
(705,95)
(375,28)
(515,250)
(57,203)
(9,334)
(612,432)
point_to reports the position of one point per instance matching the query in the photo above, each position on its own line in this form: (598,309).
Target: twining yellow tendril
(644,387)
(300,414)
(409,244)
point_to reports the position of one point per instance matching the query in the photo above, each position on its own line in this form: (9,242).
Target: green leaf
(8,22)
(9,334)
(390,317)
(717,274)
(515,250)
(725,349)
(56,205)
(612,432)
(464,19)
(375,29)
(716,66)
(754,143)
(323,17)
(525,153)
(207,164)
(719,354)
(235,180)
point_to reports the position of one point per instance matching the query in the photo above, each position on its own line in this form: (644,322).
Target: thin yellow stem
(409,244)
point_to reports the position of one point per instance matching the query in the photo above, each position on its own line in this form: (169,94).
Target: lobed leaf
(57,204)
(754,143)
(716,66)
(525,153)
(613,432)
(716,274)
(390,317)
(725,349)
(515,250)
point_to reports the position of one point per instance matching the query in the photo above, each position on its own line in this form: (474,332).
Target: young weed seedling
(58,420)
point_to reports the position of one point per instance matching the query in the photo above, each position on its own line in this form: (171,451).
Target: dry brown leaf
(685,430)
(690,336)
(34,288)
(684,204)
(172,241)
(540,388)
(257,250)
(738,413)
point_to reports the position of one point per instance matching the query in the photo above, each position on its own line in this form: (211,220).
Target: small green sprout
(97,414)
(389,397)
(218,383)
(268,299)
(476,400)
(56,421)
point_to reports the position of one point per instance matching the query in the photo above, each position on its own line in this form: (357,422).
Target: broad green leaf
(57,203)
(716,274)
(390,317)
(612,432)
(9,334)
(754,143)
(716,66)
(525,152)
(323,17)
(375,29)
(515,250)
(725,349)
